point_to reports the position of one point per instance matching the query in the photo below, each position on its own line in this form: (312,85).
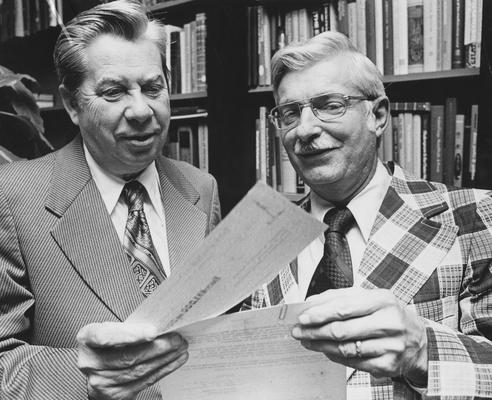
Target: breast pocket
(444,311)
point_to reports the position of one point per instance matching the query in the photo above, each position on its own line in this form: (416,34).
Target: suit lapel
(405,245)
(186,224)
(86,235)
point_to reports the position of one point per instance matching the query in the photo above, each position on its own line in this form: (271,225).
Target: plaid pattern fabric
(431,245)
(335,267)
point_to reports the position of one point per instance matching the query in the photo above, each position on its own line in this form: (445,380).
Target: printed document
(262,234)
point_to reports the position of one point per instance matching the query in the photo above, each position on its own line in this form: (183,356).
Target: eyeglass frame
(308,102)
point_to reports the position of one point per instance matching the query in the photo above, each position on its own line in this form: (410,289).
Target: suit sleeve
(28,371)
(460,362)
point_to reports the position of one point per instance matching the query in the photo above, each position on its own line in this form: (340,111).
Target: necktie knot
(134,194)
(339,219)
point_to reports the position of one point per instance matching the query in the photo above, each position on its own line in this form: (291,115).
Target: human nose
(308,122)
(138,109)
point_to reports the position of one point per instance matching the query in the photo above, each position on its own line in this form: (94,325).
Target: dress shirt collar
(110,186)
(364,206)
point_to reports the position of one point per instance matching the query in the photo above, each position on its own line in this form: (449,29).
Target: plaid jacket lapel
(405,245)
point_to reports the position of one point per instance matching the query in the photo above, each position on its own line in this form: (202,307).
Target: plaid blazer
(62,265)
(431,245)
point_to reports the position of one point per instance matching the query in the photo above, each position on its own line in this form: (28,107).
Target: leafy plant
(21,124)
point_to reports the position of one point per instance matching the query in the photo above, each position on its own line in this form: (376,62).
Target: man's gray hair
(323,47)
(123,18)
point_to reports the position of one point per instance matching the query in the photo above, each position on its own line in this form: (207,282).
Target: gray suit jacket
(62,265)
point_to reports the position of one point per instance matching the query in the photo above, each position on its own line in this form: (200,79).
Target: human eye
(112,93)
(330,104)
(289,114)
(153,90)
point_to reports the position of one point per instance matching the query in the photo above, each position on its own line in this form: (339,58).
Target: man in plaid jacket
(417,321)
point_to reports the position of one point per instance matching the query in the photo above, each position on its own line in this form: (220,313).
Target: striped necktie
(144,261)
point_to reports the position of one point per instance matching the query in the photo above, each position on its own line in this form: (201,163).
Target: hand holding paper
(122,359)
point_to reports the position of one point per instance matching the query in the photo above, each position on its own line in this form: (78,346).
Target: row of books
(273,166)
(44,100)
(188,141)
(19,18)
(433,142)
(185,55)
(399,36)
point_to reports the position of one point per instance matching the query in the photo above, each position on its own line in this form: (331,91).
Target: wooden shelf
(421,76)
(170,4)
(189,116)
(187,96)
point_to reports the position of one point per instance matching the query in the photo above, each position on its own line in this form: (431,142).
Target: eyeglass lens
(325,107)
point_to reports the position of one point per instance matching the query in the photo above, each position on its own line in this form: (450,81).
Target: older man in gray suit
(88,231)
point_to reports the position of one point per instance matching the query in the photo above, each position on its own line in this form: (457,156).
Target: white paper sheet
(263,233)
(252,356)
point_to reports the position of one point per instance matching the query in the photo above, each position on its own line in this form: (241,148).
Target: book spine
(425,145)
(193,56)
(201,38)
(473,142)
(361,26)
(203,147)
(457,60)
(447,34)
(288,176)
(415,36)
(417,144)
(19,19)
(267,51)
(371,38)
(342,17)
(436,143)
(328,16)
(470,34)
(395,136)
(408,142)
(449,138)
(388,37)
(260,46)
(387,141)
(402,36)
(458,149)
(352,22)
(317,22)
(430,35)
(379,41)
(187,58)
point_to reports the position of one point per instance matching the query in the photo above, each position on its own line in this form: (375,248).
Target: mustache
(313,145)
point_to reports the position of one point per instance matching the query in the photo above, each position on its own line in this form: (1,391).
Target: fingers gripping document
(263,233)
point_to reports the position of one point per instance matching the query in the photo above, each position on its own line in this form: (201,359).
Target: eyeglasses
(325,107)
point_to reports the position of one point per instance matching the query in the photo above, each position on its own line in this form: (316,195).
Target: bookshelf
(230,104)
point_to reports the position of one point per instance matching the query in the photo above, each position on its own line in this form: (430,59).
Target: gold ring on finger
(358,351)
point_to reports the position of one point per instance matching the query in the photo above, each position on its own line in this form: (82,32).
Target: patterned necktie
(144,261)
(335,268)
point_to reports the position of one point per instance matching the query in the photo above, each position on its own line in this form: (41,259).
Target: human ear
(381,113)
(70,103)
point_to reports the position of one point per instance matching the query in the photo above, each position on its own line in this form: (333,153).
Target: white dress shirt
(364,207)
(110,188)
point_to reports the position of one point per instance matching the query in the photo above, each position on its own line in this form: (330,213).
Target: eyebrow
(118,81)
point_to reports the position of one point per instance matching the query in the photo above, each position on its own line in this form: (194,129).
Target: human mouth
(140,139)
(310,151)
